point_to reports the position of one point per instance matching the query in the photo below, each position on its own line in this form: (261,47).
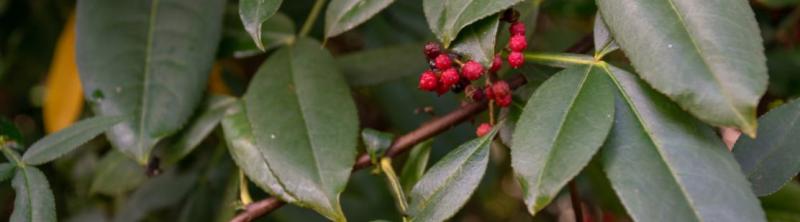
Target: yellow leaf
(63,99)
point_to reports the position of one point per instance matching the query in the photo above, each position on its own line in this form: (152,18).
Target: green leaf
(237,43)
(450,182)
(149,59)
(305,125)
(562,126)
(446,18)
(116,175)
(477,41)
(159,192)
(6,171)
(663,163)
(343,15)
(34,200)
(66,140)
(10,131)
(254,13)
(783,205)
(603,41)
(247,155)
(772,159)
(370,67)
(376,143)
(200,128)
(705,55)
(415,165)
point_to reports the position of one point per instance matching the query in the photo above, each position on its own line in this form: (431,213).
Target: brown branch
(575,198)
(405,142)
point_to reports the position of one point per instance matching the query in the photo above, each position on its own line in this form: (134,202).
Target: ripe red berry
(503,101)
(483,129)
(517,28)
(515,59)
(488,92)
(517,43)
(428,81)
(472,70)
(443,61)
(501,89)
(432,50)
(449,77)
(442,89)
(474,93)
(497,63)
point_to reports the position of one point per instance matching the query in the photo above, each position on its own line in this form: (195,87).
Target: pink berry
(497,63)
(517,28)
(472,70)
(443,62)
(515,59)
(483,129)
(428,81)
(488,92)
(517,43)
(432,50)
(450,77)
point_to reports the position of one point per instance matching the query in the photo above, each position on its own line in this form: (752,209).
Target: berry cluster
(517,43)
(447,72)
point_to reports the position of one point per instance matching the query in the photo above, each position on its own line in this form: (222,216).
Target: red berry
(432,50)
(517,28)
(517,43)
(442,89)
(496,63)
(428,81)
(472,70)
(483,129)
(443,61)
(488,92)
(501,89)
(515,59)
(450,77)
(503,101)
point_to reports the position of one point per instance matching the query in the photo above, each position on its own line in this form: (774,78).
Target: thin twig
(405,142)
(312,18)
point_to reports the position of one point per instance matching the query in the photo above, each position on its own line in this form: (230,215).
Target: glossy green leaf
(370,67)
(66,140)
(449,183)
(562,126)
(415,165)
(665,164)
(149,59)
(477,41)
(376,143)
(9,131)
(782,206)
(603,41)
(116,175)
(446,18)
(247,155)
(343,15)
(254,13)
(773,158)
(201,127)
(705,55)
(6,171)
(34,200)
(305,124)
